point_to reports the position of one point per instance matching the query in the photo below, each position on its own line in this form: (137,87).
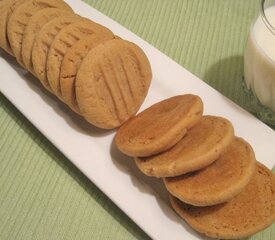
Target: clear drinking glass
(259,64)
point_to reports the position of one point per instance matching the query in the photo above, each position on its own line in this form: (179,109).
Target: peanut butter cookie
(112,83)
(63,41)
(6,9)
(35,24)
(159,127)
(42,43)
(200,147)
(20,17)
(249,212)
(219,182)
(71,63)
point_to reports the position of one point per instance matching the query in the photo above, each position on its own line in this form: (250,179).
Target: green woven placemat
(42,195)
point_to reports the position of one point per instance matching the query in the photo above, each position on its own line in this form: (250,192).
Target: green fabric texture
(42,195)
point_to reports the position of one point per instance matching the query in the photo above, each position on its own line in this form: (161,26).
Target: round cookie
(64,40)
(6,8)
(71,62)
(112,83)
(159,127)
(35,23)
(249,212)
(220,181)
(200,147)
(20,17)
(42,43)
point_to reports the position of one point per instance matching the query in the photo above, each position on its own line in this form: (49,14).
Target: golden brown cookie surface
(63,41)
(35,23)
(71,62)
(220,181)
(201,146)
(160,126)
(42,43)
(6,9)
(20,17)
(112,82)
(249,212)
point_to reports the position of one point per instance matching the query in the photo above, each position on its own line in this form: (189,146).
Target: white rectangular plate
(143,199)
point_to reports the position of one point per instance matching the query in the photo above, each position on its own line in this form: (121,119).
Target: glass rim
(265,19)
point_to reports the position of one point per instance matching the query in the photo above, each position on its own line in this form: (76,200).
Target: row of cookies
(97,74)
(212,176)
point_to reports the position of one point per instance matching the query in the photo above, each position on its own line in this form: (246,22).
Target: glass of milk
(259,64)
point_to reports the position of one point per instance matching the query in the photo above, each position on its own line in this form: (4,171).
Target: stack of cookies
(97,74)
(214,181)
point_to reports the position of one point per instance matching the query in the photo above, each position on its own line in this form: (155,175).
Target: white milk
(259,61)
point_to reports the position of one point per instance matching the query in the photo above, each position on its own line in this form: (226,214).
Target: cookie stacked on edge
(214,181)
(97,74)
